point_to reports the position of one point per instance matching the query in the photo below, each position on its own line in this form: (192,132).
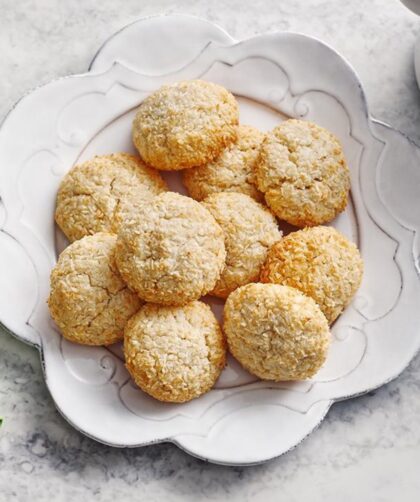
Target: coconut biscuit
(232,171)
(89,301)
(185,124)
(249,229)
(276,332)
(175,354)
(303,174)
(321,263)
(172,251)
(97,195)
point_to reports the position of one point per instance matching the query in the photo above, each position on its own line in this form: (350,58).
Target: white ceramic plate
(242,421)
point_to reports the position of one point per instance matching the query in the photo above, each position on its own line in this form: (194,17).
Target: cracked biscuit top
(232,171)
(96,196)
(89,301)
(321,263)
(174,354)
(185,124)
(303,174)
(276,332)
(250,229)
(171,251)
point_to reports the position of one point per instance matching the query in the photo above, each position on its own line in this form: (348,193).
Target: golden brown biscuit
(185,124)
(250,229)
(175,354)
(303,174)
(172,251)
(97,195)
(276,332)
(88,300)
(232,171)
(321,263)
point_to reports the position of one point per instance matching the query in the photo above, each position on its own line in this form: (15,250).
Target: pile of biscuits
(141,256)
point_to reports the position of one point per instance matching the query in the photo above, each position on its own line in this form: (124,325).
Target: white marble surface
(367,448)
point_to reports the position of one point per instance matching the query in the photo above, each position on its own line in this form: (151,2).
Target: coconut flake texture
(98,195)
(172,251)
(276,332)
(249,229)
(88,300)
(303,174)
(174,354)
(321,263)
(185,124)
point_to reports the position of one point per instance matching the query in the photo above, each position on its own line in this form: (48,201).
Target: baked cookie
(276,332)
(175,354)
(97,195)
(321,263)
(172,251)
(232,171)
(303,174)
(250,229)
(185,124)
(88,300)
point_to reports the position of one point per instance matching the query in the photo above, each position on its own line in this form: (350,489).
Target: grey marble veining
(367,448)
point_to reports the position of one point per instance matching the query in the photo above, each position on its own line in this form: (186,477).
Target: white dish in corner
(242,421)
